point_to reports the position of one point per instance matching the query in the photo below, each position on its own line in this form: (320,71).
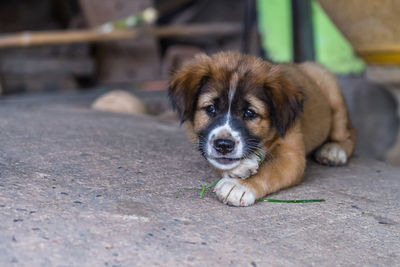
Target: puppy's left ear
(285,102)
(185,85)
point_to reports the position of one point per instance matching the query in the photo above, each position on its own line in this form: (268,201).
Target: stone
(120,101)
(373,111)
(393,155)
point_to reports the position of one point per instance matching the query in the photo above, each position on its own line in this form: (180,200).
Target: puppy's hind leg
(337,151)
(342,136)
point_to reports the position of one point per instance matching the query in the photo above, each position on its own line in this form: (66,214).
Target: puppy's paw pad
(331,154)
(231,192)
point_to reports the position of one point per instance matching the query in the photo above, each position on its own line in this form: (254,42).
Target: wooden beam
(25,39)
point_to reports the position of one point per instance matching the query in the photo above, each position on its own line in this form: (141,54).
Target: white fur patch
(232,87)
(231,192)
(331,154)
(219,166)
(226,131)
(215,134)
(246,168)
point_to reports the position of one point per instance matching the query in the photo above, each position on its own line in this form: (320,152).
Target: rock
(373,110)
(393,155)
(120,102)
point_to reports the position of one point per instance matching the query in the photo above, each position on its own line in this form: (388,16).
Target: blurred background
(78,50)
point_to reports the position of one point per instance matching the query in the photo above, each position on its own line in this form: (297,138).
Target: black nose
(224,146)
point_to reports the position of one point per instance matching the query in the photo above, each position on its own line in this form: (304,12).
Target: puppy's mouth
(226,161)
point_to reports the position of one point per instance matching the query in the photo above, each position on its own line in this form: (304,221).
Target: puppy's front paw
(331,154)
(232,192)
(247,168)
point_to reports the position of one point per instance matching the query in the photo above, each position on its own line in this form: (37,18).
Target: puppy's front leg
(284,169)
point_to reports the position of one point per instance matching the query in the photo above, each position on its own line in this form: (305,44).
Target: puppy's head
(234,105)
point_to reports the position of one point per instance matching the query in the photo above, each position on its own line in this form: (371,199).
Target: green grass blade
(205,187)
(290,201)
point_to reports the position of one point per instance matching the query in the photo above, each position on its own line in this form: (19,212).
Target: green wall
(331,48)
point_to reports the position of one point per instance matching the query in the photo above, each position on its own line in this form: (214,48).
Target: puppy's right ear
(185,85)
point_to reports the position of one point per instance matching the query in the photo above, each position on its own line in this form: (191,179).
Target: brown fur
(300,108)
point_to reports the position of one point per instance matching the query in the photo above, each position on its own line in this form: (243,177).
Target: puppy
(255,121)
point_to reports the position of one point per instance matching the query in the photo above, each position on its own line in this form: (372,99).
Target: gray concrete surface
(86,188)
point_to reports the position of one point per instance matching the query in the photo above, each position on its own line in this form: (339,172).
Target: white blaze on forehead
(232,87)
(232,90)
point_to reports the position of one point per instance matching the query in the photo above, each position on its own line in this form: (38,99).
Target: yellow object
(371,26)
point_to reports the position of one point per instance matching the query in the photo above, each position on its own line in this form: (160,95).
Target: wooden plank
(37,83)
(82,66)
(56,50)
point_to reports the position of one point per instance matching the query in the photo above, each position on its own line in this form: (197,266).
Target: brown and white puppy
(255,121)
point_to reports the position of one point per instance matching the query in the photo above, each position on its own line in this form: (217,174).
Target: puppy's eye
(249,114)
(210,110)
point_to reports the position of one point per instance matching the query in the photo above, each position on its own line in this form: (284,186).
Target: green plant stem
(208,186)
(202,189)
(258,154)
(290,201)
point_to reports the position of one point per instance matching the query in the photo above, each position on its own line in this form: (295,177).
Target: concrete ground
(86,188)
